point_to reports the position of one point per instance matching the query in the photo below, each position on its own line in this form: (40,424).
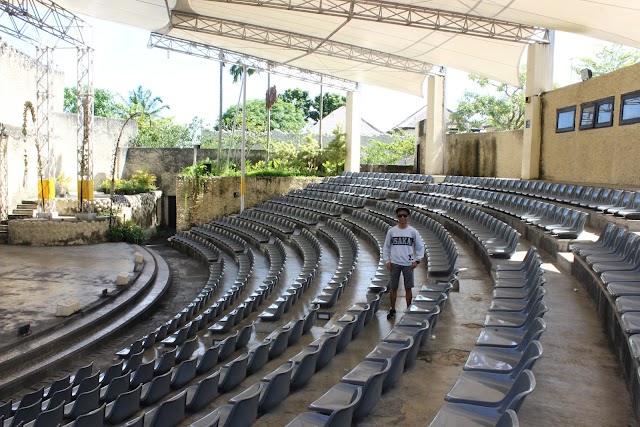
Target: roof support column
(539,80)
(354,123)
(433,144)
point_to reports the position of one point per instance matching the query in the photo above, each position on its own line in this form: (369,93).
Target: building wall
(484,154)
(607,156)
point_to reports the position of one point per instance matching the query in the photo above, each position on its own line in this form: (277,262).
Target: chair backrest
(50,417)
(91,419)
(245,409)
(203,393)
(124,406)
(209,359)
(344,416)
(522,386)
(170,412)
(508,419)
(532,353)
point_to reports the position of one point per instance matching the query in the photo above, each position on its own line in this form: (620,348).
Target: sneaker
(391,314)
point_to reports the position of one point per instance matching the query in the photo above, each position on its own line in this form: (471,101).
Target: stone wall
(57,232)
(210,198)
(484,154)
(605,156)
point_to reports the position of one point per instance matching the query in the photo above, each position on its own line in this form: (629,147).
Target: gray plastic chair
(344,399)
(124,406)
(61,396)
(116,387)
(515,319)
(370,376)
(503,360)
(233,373)
(184,373)
(404,335)
(258,356)
(143,374)
(279,343)
(91,419)
(208,360)
(310,319)
(112,372)
(297,329)
(59,384)
(304,366)
(460,414)
(511,337)
(156,389)
(166,362)
(25,414)
(338,418)
(505,391)
(242,413)
(396,353)
(202,394)
(275,388)
(28,399)
(84,403)
(49,418)
(89,383)
(133,363)
(228,346)
(244,336)
(169,413)
(185,351)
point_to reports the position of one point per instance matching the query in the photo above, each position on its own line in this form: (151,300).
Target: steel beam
(409,15)
(44,108)
(84,103)
(295,41)
(26,19)
(201,50)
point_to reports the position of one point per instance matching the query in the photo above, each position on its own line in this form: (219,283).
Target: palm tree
(236,72)
(141,101)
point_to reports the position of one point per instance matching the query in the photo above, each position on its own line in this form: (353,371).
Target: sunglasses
(403,215)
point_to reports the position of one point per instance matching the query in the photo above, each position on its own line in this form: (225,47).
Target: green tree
(330,102)
(142,101)
(298,97)
(336,153)
(608,59)
(236,72)
(389,153)
(309,154)
(284,116)
(499,105)
(104,103)
(163,133)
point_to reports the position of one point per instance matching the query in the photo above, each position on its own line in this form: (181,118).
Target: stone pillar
(433,146)
(354,123)
(539,80)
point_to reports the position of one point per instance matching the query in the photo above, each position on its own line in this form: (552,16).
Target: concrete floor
(578,377)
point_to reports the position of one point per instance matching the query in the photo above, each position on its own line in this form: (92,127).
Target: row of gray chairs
(346,245)
(317,206)
(195,246)
(368,192)
(245,228)
(496,377)
(229,241)
(347,200)
(304,217)
(283,225)
(622,203)
(563,222)
(416,178)
(384,184)
(497,238)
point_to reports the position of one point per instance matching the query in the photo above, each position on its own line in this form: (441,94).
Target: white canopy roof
(344,39)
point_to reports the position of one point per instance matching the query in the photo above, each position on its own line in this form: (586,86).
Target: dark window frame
(584,106)
(623,98)
(599,103)
(560,111)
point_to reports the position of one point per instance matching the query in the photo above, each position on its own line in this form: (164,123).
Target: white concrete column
(539,80)
(432,150)
(353,129)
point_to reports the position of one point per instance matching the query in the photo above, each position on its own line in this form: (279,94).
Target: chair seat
(618,289)
(480,388)
(631,322)
(460,414)
(628,303)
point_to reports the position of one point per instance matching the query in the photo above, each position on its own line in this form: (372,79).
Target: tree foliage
(499,105)
(608,59)
(385,153)
(164,133)
(143,102)
(336,152)
(298,97)
(284,116)
(311,108)
(104,103)
(236,72)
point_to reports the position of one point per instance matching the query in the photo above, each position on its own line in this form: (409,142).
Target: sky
(190,85)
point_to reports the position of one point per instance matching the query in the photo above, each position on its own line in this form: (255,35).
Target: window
(566,119)
(604,113)
(630,108)
(587,115)
(596,114)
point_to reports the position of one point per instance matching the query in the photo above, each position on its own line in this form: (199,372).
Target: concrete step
(20,216)
(28,212)
(31,206)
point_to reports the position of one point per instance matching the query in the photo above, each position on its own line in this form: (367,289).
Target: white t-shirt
(399,246)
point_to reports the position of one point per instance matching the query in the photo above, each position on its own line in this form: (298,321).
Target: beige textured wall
(484,154)
(57,232)
(606,156)
(212,197)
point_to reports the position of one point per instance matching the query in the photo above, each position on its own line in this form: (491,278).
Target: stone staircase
(26,209)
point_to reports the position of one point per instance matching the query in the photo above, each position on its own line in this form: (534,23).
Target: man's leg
(393,294)
(394,279)
(407,275)
(408,296)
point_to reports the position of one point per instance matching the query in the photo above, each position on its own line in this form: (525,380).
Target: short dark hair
(400,209)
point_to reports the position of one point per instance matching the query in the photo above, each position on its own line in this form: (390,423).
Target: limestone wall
(67,232)
(484,154)
(211,198)
(607,155)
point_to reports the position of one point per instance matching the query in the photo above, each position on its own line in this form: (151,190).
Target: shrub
(127,232)
(143,181)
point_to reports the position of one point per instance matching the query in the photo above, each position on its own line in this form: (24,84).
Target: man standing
(402,252)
